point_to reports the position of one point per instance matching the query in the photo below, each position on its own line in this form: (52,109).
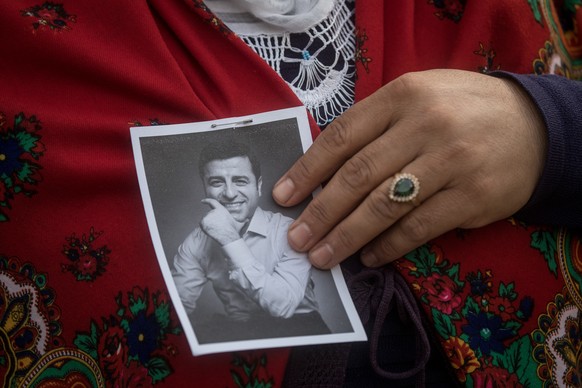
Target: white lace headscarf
(325,85)
(288,15)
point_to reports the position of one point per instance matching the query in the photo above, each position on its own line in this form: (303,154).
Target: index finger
(343,138)
(213,203)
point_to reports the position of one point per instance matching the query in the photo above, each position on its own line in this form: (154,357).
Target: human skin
(233,193)
(476,143)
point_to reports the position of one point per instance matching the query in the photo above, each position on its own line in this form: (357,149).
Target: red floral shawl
(82,298)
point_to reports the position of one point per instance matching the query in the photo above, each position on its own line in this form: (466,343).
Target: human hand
(476,143)
(219,224)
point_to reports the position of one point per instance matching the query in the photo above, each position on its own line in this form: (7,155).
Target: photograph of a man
(265,287)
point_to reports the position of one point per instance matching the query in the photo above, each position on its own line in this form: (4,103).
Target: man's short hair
(222,150)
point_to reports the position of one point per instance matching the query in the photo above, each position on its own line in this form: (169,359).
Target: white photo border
(299,113)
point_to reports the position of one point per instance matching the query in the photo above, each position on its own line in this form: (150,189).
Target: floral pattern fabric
(86,260)
(82,300)
(20,151)
(486,323)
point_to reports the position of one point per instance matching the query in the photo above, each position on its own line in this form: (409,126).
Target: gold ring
(404,188)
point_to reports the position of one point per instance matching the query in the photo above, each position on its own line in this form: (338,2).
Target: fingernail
(368,258)
(283,190)
(321,256)
(299,236)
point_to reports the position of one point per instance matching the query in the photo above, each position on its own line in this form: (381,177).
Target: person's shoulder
(277,217)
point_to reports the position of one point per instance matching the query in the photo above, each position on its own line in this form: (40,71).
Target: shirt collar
(258,224)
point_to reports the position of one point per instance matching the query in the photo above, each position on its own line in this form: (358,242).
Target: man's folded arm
(280,292)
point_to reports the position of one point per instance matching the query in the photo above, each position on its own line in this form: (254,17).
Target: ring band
(404,188)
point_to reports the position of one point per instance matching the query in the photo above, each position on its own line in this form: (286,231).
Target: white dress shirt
(258,273)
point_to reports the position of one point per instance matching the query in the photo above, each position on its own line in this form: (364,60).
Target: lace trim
(318,65)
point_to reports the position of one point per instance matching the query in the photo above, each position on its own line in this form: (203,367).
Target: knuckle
(345,237)
(442,116)
(357,173)
(476,189)
(386,248)
(439,120)
(413,231)
(301,171)
(415,228)
(320,212)
(337,135)
(407,84)
(437,112)
(383,207)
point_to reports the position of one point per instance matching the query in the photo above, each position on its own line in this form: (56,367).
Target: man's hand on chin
(219,223)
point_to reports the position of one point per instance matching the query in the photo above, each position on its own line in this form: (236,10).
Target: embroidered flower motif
(113,358)
(133,347)
(482,332)
(151,122)
(9,162)
(112,350)
(361,51)
(489,54)
(493,376)
(209,17)
(526,306)
(545,242)
(134,375)
(503,307)
(86,261)
(20,150)
(480,282)
(441,293)
(250,370)
(461,357)
(449,9)
(142,336)
(486,332)
(50,16)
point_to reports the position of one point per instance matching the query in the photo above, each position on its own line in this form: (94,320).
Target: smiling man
(263,284)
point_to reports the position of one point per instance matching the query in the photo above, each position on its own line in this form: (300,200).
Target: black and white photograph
(221,240)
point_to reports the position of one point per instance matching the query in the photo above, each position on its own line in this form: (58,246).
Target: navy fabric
(557,199)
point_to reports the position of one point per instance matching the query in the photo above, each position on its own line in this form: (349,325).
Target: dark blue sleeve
(557,199)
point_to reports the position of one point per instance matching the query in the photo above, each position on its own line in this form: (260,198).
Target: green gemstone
(404,187)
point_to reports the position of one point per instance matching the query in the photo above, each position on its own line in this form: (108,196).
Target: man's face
(232,183)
